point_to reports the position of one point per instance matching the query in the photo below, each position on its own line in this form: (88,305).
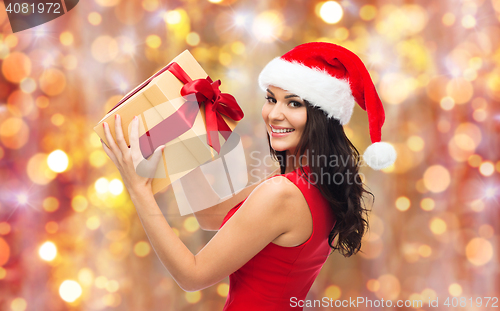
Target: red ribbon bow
(216,104)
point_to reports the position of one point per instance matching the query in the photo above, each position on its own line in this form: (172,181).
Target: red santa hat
(333,79)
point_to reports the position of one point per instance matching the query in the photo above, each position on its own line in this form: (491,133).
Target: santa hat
(333,79)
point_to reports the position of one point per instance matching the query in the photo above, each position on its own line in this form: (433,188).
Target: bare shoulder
(279,193)
(284,206)
(274,207)
(268,213)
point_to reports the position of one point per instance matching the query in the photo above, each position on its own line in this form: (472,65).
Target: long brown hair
(324,139)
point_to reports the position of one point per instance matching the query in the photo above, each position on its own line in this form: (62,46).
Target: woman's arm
(265,215)
(269,212)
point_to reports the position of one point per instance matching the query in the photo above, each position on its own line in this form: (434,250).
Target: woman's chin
(279,147)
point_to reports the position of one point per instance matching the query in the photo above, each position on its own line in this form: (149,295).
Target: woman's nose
(277,112)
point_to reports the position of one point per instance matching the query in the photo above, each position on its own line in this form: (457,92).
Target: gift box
(179,107)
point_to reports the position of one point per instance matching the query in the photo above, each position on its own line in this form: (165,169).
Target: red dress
(277,274)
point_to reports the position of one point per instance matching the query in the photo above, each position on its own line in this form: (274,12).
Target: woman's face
(285,116)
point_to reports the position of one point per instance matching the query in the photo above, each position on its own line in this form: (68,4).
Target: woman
(274,242)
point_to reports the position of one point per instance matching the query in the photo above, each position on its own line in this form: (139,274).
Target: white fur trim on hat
(379,155)
(319,88)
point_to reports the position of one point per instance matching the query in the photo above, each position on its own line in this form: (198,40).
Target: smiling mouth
(285,130)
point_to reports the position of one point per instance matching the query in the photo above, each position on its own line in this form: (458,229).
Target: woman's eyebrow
(290,96)
(270,92)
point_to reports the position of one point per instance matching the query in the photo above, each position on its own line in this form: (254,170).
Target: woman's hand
(137,172)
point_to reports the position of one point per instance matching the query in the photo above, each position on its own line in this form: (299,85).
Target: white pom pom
(379,155)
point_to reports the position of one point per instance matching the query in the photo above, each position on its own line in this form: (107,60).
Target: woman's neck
(292,162)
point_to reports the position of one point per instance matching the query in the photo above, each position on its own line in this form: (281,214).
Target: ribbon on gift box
(207,93)
(216,104)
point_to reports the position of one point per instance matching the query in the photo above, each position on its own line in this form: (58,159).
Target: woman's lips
(274,134)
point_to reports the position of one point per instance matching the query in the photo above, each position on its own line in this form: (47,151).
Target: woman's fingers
(119,134)
(108,152)
(147,168)
(156,157)
(111,141)
(143,167)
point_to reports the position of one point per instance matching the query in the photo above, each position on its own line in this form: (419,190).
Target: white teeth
(282,130)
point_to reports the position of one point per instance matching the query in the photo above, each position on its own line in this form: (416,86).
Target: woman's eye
(295,104)
(270,99)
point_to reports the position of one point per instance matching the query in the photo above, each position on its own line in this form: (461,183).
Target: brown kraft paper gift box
(159,98)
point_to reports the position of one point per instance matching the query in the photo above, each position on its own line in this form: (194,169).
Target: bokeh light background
(71,240)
